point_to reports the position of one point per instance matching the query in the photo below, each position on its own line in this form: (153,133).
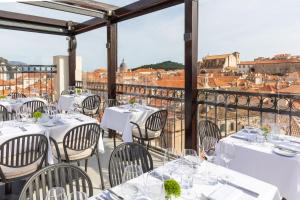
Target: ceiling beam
(136,9)
(21,26)
(89,25)
(142,7)
(95,5)
(17,21)
(66,8)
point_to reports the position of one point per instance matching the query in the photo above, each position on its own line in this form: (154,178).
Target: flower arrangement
(37,115)
(132,100)
(266,130)
(2,97)
(78,91)
(172,188)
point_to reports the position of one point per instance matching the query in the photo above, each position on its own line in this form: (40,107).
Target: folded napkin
(105,195)
(142,198)
(289,146)
(159,175)
(226,192)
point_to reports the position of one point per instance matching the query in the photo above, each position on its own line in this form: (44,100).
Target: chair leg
(100,170)
(115,142)
(8,188)
(164,139)
(85,165)
(78,163)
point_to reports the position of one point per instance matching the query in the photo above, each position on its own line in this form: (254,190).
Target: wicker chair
(208,129)
(70,177)
(22,156)
(4,114)
(32,106)
(91,105)
(153,128)
(80,143)
(16,95)
(126,154)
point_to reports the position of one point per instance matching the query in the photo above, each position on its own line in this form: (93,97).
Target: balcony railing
(31,80)
(230,110)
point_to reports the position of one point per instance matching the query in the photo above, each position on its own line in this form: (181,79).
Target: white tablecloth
(64,124)
(259,161)
(217,191)
(66,102)
(15,104)
(119,118)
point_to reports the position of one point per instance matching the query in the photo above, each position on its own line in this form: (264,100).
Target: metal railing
(31,80)
(230,110)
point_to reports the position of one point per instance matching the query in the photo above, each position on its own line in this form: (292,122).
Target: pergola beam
(89,4)
(67,8)
(30,23)
(90,25)
(142,7)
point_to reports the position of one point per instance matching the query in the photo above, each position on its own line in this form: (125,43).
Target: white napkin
(226,192)
(142,198)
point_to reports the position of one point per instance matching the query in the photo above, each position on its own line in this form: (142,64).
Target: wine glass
(227,153)
(170,154)
(208,148)
(78,196)
(129,190)
(56,193)
(153,187)
(192,157)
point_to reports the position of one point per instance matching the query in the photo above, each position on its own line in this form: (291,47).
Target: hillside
(167,65)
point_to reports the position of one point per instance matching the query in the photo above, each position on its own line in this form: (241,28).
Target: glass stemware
(153,187)
(56,193)
(78,196)
(227,153)
(208,148)
(192,157)
(130,191)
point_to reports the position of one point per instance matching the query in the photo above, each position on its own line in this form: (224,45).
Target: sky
(252,27)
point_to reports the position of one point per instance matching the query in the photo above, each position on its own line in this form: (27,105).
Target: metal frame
(111,16)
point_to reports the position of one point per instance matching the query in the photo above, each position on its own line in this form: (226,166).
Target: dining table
(118,118)
(208,183)
(13,105)
(272,158)
(56,128)
(70,101)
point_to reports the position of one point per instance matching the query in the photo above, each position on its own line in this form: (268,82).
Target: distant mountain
(167,65)
(16,63)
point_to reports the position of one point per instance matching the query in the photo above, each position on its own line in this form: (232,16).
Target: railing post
(72,59)
(112,59)
(190,59)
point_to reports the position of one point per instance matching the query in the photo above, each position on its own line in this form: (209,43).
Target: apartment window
(232,126)
(222,128)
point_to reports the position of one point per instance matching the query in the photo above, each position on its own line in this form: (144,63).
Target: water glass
(131,171)
(208,147)
(186,181)
(153,187)
(227,153)
(170,154)
(78,196)
(192,157)
(56,193)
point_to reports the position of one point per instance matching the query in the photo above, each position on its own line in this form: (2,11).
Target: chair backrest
(126,154)
(16,95)
(111,103)
(70,177)
(32,106)
(156,121)
(91,103)
(66,92)
(81,137)
(4,116)
(23,151)
(208,129)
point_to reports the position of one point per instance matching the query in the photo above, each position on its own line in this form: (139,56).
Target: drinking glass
(191,156)
(78,196)
(227,153)
(208,148)
(131,171)
(56,193)
(170,154)
(129,190)
(153,187)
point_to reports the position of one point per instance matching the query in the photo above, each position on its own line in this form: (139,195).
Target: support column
(190,61)
(112,59)
(72,59)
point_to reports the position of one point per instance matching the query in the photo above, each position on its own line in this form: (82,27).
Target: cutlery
(79,119)
(245,190)
(240,138)
(23,129)
(114,194)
